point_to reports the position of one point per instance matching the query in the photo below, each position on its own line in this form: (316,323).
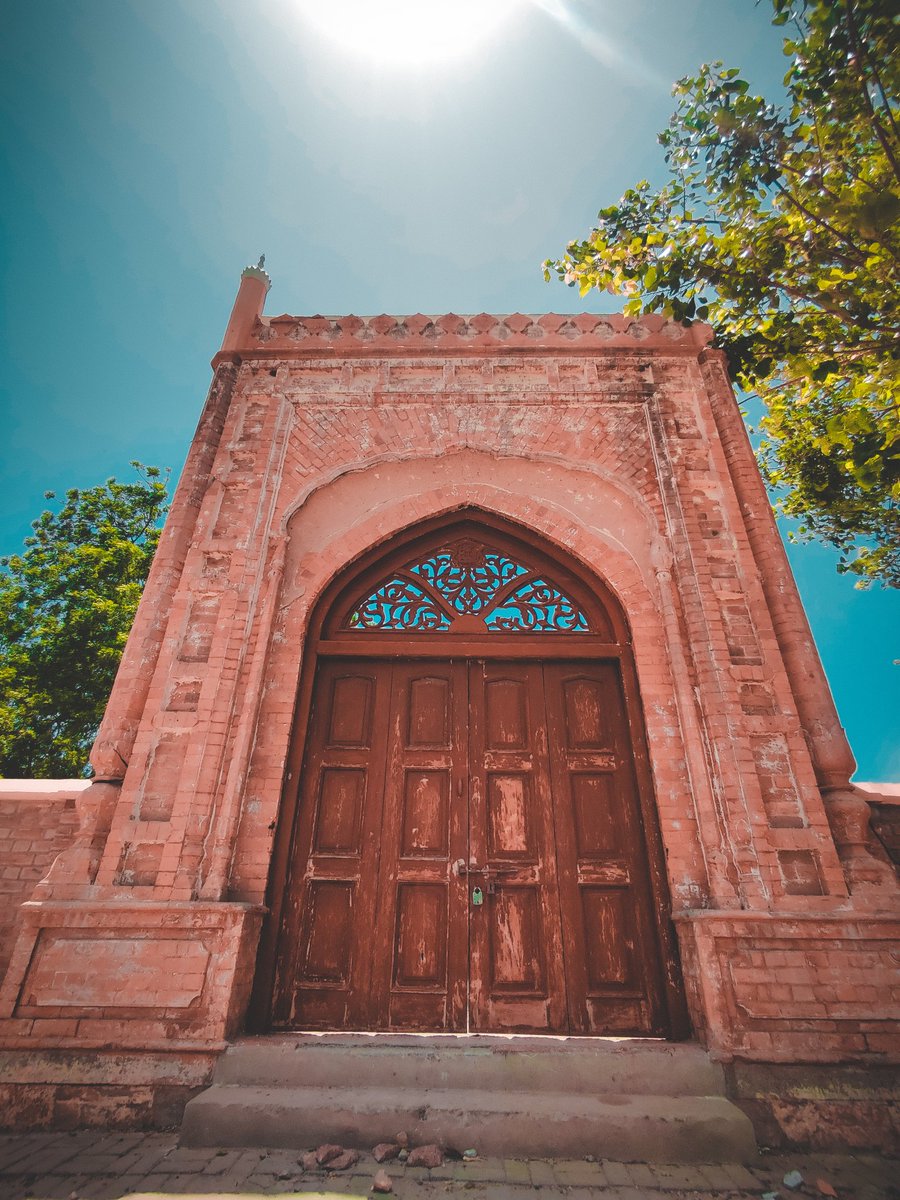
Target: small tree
(780,225)
(66,606)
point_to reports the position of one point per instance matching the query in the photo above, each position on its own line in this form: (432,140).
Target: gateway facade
(470,691)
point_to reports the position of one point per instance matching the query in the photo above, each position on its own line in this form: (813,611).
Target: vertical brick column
(77,867)
(115,738)
(833,761)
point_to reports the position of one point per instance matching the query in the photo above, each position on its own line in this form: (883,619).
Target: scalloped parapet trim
(257,272)
(484,331)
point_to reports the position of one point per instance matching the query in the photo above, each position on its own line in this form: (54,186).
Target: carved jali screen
(468,580)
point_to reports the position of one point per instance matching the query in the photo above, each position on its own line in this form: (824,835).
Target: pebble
(327,1152)
(385,1151)
(348,1159)
(402,1140)
(382,1182)
(426,1156)
(309,1162)
(793,1179)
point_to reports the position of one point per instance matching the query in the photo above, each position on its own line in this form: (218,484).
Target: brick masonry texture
(38,819)
(616,442)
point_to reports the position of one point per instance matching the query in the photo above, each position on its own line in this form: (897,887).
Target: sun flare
(407,32)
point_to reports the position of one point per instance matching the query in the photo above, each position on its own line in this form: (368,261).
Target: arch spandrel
(601,521)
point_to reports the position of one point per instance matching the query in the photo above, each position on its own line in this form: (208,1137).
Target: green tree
(780,225)
(66,606)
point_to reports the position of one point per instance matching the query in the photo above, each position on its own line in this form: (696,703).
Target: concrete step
(615,1098)
(627,1128)
(629,1066)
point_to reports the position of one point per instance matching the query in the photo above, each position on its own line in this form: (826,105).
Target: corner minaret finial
(248,307)
(258,272)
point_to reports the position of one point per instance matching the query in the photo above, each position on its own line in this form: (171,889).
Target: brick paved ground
(92,1165)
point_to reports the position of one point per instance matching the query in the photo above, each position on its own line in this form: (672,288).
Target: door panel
(327,933)
(323,968)
(613,968)
(510,815)
(419,928)
(339,811)
(517,972)
(517,944)
(425,826)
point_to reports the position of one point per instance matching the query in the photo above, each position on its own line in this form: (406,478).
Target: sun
(407,32)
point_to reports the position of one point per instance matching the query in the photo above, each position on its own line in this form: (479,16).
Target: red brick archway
(468,838)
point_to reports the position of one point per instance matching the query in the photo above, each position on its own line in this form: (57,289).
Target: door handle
(461,867)
(489,873)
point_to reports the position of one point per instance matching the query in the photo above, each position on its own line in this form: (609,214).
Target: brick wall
(804,988)
(37,821)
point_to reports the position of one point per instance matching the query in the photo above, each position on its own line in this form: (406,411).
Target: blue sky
(151,149)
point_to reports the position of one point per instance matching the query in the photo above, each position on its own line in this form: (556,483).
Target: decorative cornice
(430,334)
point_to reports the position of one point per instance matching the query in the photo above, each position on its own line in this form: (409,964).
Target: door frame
(325,638)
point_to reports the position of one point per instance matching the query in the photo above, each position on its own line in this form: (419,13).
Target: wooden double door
(469,854)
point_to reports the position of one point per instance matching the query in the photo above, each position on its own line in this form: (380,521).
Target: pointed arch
(508,641)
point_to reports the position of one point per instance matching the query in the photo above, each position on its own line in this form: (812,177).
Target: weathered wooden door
(517,969)
(469,853)
(374,932)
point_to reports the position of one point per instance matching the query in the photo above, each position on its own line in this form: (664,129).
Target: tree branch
(859,53)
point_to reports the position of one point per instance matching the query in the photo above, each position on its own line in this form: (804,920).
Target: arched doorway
(468,838)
